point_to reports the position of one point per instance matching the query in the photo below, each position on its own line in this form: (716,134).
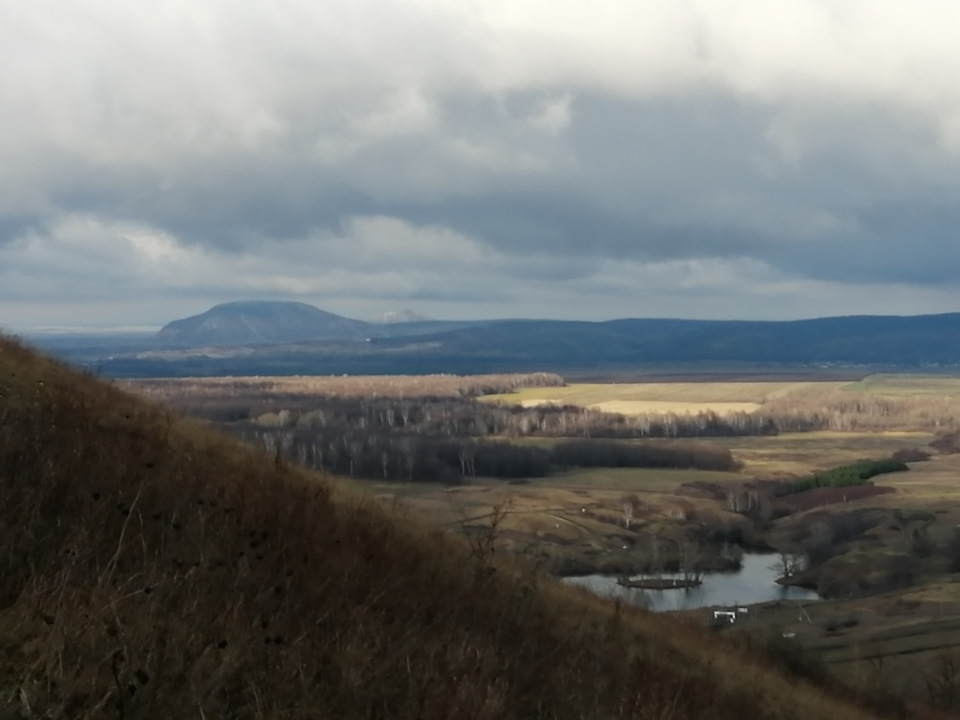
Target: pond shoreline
(755,583)
(582,567)
(659,583)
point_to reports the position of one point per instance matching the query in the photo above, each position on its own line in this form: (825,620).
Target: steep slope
(251,323)
(153,569)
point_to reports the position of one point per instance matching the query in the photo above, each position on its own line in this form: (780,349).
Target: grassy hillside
(152,569)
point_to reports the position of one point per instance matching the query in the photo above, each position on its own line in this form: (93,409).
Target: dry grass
(899,385)
(878,402)
(555,504)
(661,398)
(660,480)
(875,404)
(797,454)
(929,482)
(571,522)
(692,392)
(662,407)
(155,570)
(888,643)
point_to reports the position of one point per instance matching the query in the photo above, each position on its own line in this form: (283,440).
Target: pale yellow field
(678,407)
(658,398)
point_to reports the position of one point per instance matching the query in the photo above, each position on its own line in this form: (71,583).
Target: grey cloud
(819,144)
(674,179)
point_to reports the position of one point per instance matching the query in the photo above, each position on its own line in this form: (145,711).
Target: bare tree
(943,680)
(789,563)
(655,554)
(628,504)
(690,562)
(409,457)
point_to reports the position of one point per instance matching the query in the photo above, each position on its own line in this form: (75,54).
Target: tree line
(448,416)
(247,389)
(414,457)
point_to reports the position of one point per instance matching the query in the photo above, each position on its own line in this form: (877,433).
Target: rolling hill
(154,569)
(862,340)
(256,323)
(253,338)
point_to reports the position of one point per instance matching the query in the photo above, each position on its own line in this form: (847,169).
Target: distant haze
(392,317)
(757,159)
(283,338)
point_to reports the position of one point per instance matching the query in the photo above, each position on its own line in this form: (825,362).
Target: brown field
(876,403)
(657,407)
(660,398)
(802,453)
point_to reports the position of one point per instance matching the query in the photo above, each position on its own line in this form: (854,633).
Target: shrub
(858,473)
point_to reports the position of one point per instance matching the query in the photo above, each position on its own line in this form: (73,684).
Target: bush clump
(858,473)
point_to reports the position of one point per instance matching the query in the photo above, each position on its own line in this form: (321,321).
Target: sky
(757,159)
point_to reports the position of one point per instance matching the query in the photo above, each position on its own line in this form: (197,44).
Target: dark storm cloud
(525,152)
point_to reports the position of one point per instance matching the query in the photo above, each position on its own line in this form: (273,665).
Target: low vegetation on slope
(852,475)
(154,570)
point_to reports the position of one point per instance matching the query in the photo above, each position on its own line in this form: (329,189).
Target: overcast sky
(479,158)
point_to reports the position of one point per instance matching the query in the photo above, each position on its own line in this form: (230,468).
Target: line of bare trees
(424,458)
(332,386)
(468,417)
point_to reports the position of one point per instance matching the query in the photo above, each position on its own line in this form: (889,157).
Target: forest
(435,428)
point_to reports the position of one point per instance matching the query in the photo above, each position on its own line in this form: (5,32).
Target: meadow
(877,402)
(674,397)
(796,454)
(903,385)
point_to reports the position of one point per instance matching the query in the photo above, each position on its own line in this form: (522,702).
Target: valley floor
(892,613)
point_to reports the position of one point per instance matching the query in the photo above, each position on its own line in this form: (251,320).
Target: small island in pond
(659,583)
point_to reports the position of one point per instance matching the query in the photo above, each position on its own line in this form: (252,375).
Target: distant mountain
(855,340)
(259,338)
(394,317)
(257,323)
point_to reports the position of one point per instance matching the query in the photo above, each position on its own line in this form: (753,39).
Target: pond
(755,582)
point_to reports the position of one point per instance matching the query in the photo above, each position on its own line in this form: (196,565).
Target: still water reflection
(755,582)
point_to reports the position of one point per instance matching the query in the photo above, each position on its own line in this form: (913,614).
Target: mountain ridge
(295,338)
(857,339)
